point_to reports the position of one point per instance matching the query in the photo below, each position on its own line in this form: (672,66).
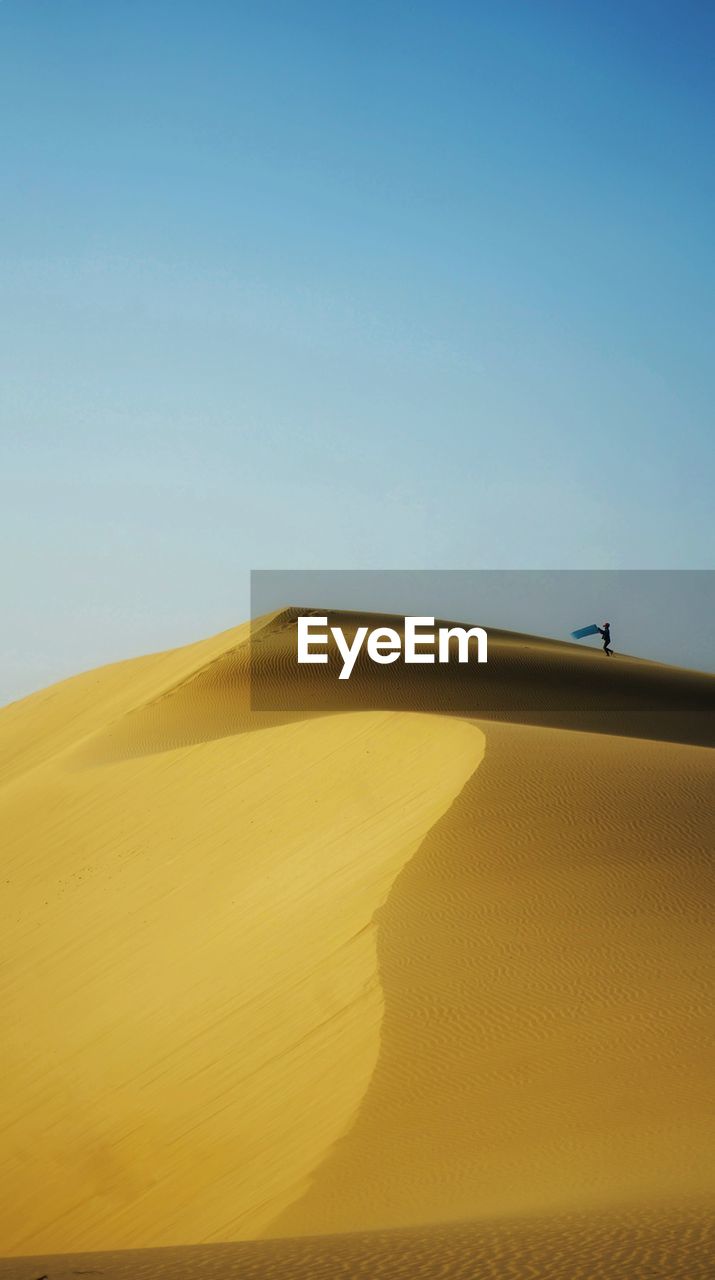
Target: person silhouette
(605,631)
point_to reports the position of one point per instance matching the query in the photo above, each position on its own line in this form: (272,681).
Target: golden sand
(642,1243)
(279,976)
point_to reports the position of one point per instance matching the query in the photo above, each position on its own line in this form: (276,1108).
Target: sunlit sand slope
(190,990)
(288,973)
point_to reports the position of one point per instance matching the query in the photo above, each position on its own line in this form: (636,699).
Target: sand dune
(635,1244)
(283,973)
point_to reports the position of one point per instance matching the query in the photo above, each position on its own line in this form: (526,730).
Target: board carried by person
(594,630)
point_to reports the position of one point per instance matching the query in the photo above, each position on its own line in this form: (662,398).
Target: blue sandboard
(586,631)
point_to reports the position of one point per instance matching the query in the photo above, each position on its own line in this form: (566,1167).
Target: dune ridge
(296,973)
(529,680)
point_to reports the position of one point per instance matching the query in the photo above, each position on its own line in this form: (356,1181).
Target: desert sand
(405,988)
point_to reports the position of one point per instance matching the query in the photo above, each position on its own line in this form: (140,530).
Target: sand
(632,1244)
(399,977)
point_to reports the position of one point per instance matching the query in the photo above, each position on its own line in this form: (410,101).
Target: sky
(340,285)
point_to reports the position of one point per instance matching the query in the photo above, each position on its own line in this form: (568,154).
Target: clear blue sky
(341,285)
